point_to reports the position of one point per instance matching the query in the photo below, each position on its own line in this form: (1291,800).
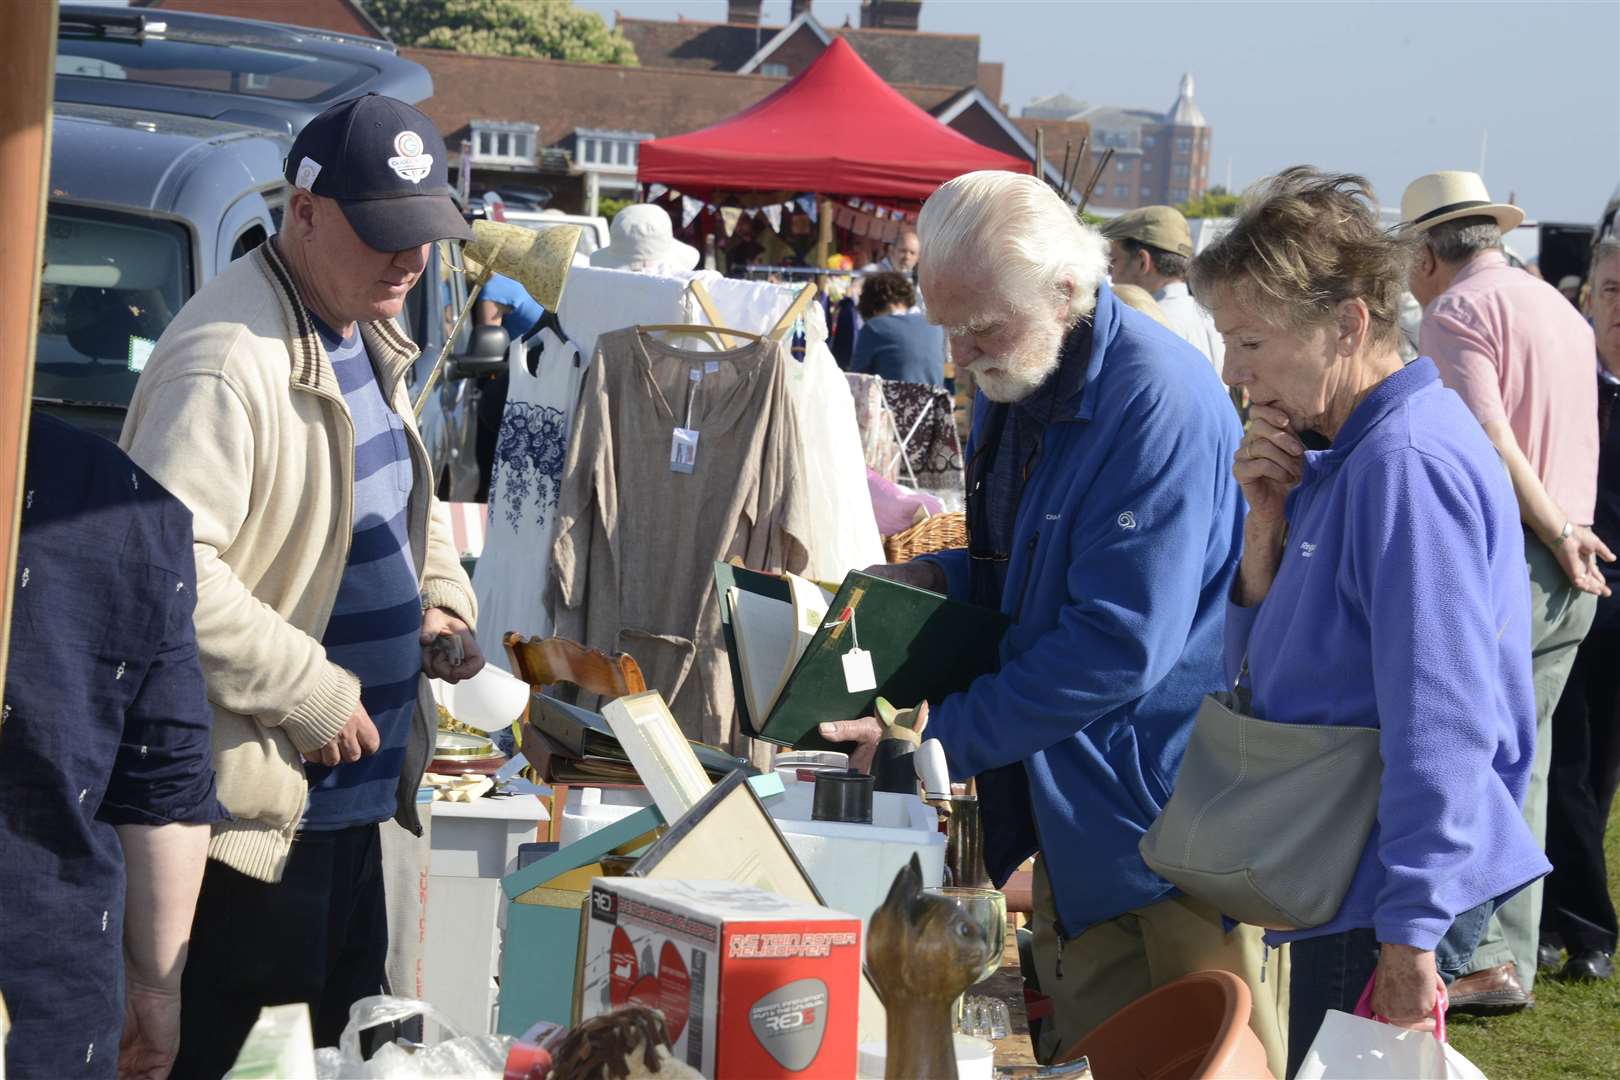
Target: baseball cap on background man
(384,163)
(1160,227)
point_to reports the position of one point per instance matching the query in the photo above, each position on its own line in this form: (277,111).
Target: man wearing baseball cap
(1520,356)
(1150,248)
(275,406)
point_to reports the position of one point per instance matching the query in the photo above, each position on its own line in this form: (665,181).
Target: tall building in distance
(1158,157)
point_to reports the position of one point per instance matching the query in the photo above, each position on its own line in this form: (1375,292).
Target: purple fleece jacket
(1403,604)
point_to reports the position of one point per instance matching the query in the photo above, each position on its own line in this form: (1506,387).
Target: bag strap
(1441,1002)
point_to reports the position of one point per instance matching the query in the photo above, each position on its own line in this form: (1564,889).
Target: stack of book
(570,745)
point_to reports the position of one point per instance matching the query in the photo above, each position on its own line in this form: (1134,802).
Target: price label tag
(858,675)
(683,450)
(710,367)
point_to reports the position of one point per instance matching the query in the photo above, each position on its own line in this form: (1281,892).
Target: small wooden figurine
(923,953)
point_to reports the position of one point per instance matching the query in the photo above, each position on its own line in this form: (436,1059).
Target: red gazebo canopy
(837,129)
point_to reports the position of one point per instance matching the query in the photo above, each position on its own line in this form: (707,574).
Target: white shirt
(1191,322)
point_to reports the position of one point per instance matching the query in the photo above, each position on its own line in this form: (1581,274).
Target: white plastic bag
(1355,1048)
(450,1054)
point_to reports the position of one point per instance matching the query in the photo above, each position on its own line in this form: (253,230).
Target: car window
(110,284)
(452,295)
(279,74)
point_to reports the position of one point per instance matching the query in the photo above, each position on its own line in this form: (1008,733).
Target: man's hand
(151,1032)
(437,622)
(1578,556)
(1268,463)
(922,575)
(357,738)
(865,733)
(1406,987)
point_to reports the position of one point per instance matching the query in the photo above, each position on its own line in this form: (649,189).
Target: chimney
(891,14)
(799,7)
(745,12)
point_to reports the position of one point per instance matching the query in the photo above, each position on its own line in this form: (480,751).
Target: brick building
(1158,157)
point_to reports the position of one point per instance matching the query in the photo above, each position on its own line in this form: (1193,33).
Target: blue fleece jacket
(1402,603)
(1124,546)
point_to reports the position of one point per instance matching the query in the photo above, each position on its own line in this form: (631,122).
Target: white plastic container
(852,866)
(975,1059)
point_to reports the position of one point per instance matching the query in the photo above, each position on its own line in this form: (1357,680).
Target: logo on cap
(410,164)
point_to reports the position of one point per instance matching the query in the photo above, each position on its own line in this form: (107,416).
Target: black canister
(843,796)
(893,768)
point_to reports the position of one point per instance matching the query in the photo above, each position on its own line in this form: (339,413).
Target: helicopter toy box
(751,984)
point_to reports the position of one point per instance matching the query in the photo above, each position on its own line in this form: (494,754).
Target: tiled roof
(561,96)
(899,56)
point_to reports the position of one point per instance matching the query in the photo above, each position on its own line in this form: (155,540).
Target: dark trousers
(1576,911)
(1330,972)
(318,936)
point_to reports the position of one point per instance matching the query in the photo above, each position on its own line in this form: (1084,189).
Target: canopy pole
(27,56)
(824,233)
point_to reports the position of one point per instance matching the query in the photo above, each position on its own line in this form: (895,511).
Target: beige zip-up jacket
(239,414)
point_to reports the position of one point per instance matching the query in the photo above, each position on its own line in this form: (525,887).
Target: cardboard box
(752,986)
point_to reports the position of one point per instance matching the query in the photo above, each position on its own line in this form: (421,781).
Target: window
(1179,172)
(1122,166)
(1122,191)
(1148,142)
(1147,192)
(774,71)
(621,153)
(1147,167)
(1183,144)
(1179,195)
(504,142)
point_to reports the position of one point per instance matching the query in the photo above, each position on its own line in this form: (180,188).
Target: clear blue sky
(1390,90)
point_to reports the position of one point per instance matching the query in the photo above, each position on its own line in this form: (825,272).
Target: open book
(772,636)
(787,641)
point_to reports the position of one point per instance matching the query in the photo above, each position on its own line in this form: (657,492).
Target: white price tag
(858,675)
(711,366)
(683,450)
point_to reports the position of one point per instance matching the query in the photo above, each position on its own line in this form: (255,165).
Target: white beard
(1021,373)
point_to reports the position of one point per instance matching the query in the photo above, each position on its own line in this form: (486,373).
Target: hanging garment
(633,562)
(510,578)
(880,441)
(844,532)
(926,419)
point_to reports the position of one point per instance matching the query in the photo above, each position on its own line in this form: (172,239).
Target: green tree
(1215,203)
(554,29)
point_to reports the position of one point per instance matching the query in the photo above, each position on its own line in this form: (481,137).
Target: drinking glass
(987,908)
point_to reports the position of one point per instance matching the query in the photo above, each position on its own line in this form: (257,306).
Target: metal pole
(824,226)
(450,338)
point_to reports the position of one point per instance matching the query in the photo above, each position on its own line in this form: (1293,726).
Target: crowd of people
(1420,548)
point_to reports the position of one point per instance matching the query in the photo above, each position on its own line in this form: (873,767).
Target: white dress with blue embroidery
(510,578)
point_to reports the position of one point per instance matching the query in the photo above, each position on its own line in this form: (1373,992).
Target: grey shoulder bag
(1267,821)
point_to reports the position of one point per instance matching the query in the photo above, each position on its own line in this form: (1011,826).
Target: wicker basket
(938,533)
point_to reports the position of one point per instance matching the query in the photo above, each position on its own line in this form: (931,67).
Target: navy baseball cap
(384,163)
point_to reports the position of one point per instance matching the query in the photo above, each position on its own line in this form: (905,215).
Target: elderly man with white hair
(1104,520)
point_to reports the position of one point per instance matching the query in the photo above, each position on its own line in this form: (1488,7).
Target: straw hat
(643,238)
(1446,196)
(537,259)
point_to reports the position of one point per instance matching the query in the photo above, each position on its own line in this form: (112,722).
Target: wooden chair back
(543,662)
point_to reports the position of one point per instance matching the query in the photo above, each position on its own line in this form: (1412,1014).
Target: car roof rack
(100,23)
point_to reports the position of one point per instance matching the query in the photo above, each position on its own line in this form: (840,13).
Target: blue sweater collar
(1104,326)
(1383,399)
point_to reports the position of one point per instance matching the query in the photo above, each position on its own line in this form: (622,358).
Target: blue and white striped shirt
(377,621)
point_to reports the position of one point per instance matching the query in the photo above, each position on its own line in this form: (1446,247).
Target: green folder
(924,646)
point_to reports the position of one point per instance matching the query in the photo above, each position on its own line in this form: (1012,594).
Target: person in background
(1150,248)
(1577,914)
(1103,520)
(328,586)
(106,779)
(904,252)
(896,341)
(1520,357)
(501,302)
(1381,520)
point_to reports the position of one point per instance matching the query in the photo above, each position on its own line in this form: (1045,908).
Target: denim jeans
(1330,972)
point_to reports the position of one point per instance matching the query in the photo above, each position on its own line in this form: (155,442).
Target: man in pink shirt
(1521,357)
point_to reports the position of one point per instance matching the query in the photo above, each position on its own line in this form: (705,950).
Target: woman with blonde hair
(1382,585)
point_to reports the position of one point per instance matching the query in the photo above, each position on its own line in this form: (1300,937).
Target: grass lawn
(1574,1030)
